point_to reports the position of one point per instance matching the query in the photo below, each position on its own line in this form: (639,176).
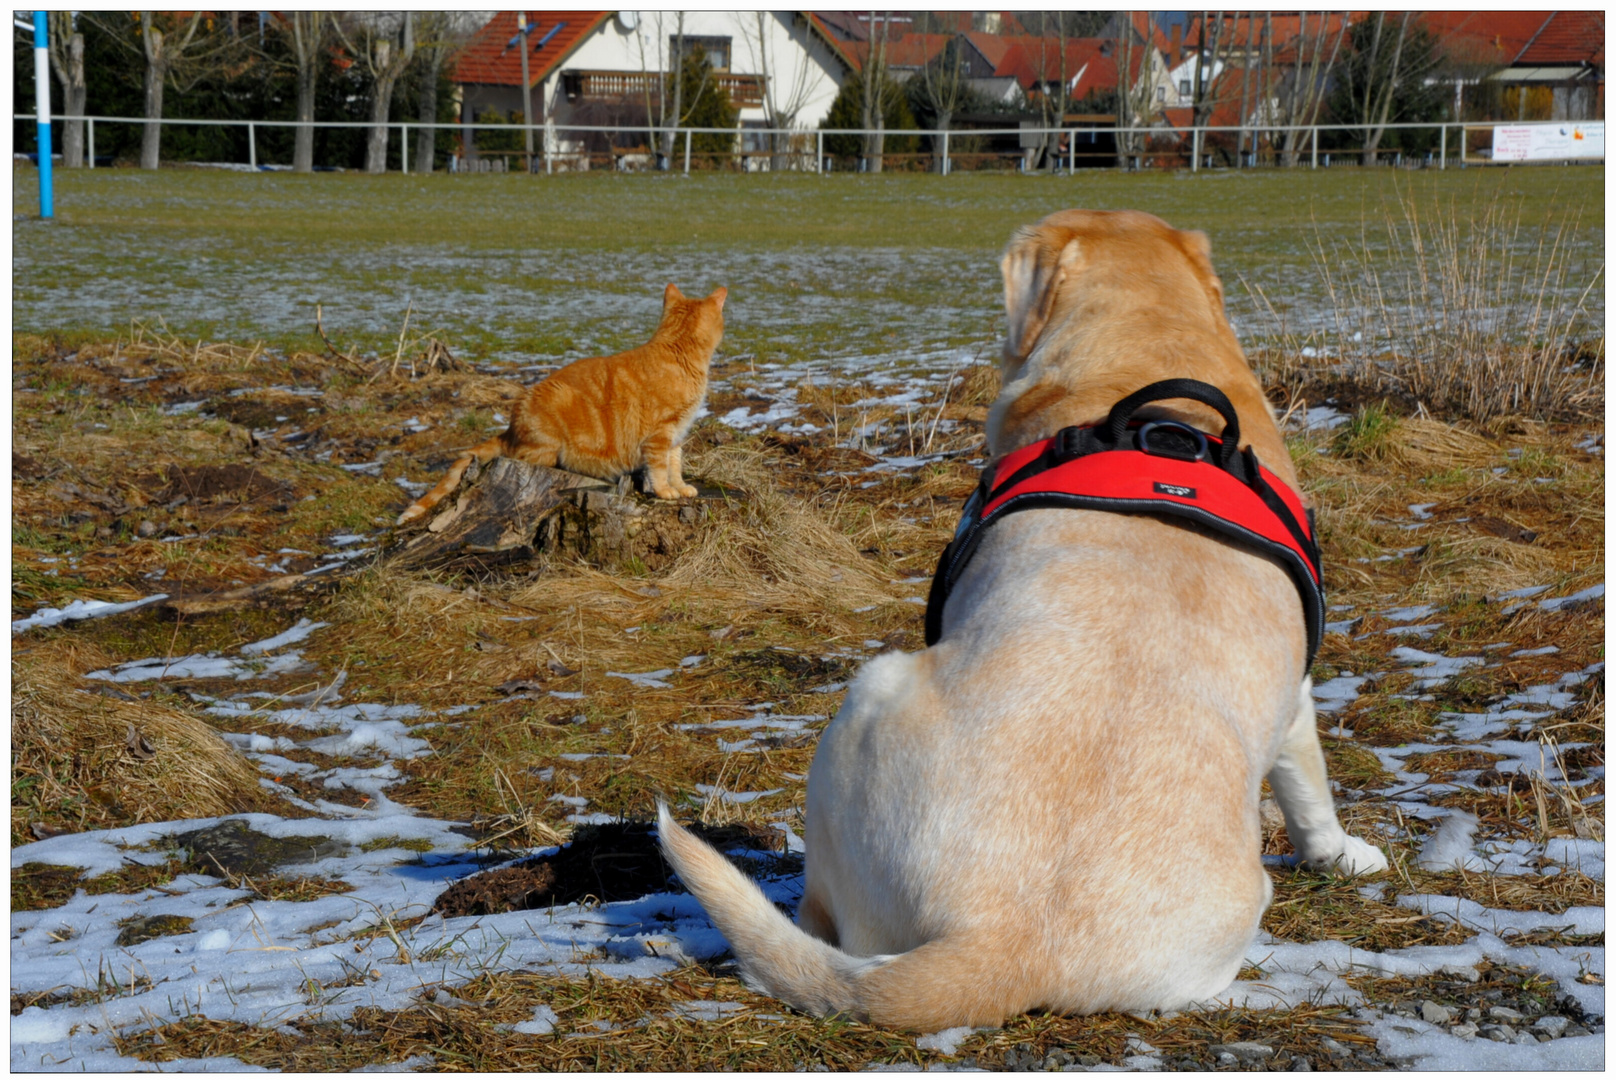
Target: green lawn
(874,269)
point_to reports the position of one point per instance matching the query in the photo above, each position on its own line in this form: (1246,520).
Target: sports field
(517,268)
(282,798)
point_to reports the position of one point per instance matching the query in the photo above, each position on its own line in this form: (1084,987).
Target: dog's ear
(670,294)
(1036,262)
(1198,249)
(720,294)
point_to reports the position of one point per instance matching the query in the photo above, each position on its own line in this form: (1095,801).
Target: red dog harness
(1159,467)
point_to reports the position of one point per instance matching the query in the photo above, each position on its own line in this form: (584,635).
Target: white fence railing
(1136,147)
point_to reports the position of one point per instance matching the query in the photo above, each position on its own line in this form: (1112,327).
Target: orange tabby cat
(605,415)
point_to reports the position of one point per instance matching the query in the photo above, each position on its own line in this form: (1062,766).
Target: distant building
(609,69)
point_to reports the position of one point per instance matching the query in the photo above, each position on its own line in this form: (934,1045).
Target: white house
(608,69)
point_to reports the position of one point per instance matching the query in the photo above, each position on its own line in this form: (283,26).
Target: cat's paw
(413,513)
(688,492)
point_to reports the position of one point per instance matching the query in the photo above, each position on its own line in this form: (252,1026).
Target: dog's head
(1100,303)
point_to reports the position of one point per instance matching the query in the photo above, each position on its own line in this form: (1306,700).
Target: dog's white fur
(1056,805)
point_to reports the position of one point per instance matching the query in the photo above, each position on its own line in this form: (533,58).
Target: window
(1183,88)
(1161,93)
(716,48)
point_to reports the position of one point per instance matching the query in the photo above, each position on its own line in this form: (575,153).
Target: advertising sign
(1548,142)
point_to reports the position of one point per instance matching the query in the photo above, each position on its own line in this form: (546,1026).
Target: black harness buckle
(1171,439)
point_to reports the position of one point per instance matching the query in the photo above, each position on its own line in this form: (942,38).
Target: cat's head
(702,319)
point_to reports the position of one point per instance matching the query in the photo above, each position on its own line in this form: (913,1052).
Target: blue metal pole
(47,206)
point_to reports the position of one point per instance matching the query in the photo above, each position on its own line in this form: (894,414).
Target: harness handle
(1190,390)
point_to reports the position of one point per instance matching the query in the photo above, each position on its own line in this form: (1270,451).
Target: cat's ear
(670,294)
(719,294)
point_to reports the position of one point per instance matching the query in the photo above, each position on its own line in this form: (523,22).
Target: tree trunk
(512,513)
(303,140)
(151,138)
(376,146)
(426,139)
(308,37)
(74,96)
(672,119)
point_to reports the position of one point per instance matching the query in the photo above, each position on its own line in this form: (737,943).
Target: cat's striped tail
(483,453)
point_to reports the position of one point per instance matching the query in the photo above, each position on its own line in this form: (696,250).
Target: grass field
(485,714)
(517,268)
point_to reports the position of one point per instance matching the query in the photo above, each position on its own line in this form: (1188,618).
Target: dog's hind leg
(1302,789)
(482,453)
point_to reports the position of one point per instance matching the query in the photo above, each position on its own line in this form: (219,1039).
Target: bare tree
(873,119)
(1245,94)
(782,102)
(436,43)
(1382,61)
(671,117)
(1054,83)
(945,88)
(67,61)
(1301,95)
(386,53)
(177,54)
(1135,93)
(307,34)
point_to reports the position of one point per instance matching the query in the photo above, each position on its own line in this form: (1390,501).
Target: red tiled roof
(1033,60)
(490,59)
(909,51)
(1569,37)
(832,36)
(1483,37)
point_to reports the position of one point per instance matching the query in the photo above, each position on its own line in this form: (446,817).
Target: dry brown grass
(756,1035)
(72,763)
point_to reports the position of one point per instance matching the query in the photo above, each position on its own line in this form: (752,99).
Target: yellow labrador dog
(1055,806)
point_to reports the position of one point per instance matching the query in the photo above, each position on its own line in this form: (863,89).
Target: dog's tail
(937,986)
(483,453)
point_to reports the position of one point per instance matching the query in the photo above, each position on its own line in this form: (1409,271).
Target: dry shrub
(1425,444)
(1475,315)
(1483,564)
(73,755)
(775,551)
(977,385)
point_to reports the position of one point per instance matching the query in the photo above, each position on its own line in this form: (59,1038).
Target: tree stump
(511,513)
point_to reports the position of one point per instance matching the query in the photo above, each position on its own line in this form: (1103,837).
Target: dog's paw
(1357,857)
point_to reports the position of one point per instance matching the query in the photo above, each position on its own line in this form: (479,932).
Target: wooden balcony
(634,87)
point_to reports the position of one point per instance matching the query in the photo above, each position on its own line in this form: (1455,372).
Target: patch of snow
(79,609)
(297,633)
(651,680)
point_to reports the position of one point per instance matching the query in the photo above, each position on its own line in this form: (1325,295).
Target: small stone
(1245,1051)
(1226,1058)
(1301,1064)
(1574,1030)
(1498,1032)
(1460,971)
(1465,1031)
(1056,1059)
(1526,1038)
(1334,1048)
(1432,1013)
(1552,1026)
(1504,1013)
(146,530)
